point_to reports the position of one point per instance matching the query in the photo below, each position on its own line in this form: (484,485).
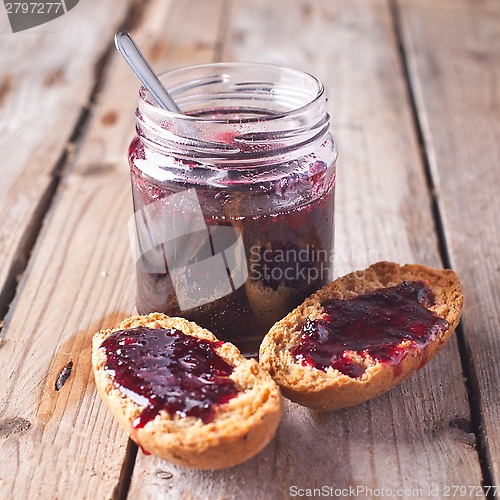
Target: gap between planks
(467,362)
(123,485)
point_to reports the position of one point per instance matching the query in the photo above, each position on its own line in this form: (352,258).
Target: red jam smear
(164,369)
(374,324)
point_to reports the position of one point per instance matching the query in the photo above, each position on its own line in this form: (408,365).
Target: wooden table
(414,90)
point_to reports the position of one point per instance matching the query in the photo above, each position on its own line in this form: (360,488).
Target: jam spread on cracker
(370,325)
(165,369)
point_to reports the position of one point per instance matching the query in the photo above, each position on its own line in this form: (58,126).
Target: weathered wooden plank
(413,437)
(453,51)
(63,444)
(46,77)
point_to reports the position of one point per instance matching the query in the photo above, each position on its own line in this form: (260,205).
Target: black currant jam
(164,369)
(233,198)
(373,324)
(287,254)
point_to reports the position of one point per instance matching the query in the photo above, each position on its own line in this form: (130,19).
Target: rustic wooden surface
(55,73)
(423,434)
(454,56)
(60,444)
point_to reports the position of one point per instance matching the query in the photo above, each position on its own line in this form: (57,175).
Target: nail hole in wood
(63,376)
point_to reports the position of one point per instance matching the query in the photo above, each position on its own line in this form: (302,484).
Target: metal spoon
(131,53)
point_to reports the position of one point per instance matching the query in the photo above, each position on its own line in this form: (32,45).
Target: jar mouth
(255,79)
(244,112)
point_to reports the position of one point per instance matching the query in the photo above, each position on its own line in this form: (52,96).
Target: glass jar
(234,198)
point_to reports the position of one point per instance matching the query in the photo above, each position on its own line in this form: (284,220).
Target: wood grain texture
(453,51)
(64,444)
(46,78)
(408,438)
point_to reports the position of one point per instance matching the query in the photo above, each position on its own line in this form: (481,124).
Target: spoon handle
(131,53)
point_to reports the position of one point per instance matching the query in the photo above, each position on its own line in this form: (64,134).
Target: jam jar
(233,198)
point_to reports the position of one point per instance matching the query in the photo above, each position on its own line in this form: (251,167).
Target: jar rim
(150,105)
(236,112)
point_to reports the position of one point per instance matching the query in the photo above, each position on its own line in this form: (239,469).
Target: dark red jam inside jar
(164,369)
(374,324)
(256,154)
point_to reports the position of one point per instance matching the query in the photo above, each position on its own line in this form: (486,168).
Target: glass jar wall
(234,198)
